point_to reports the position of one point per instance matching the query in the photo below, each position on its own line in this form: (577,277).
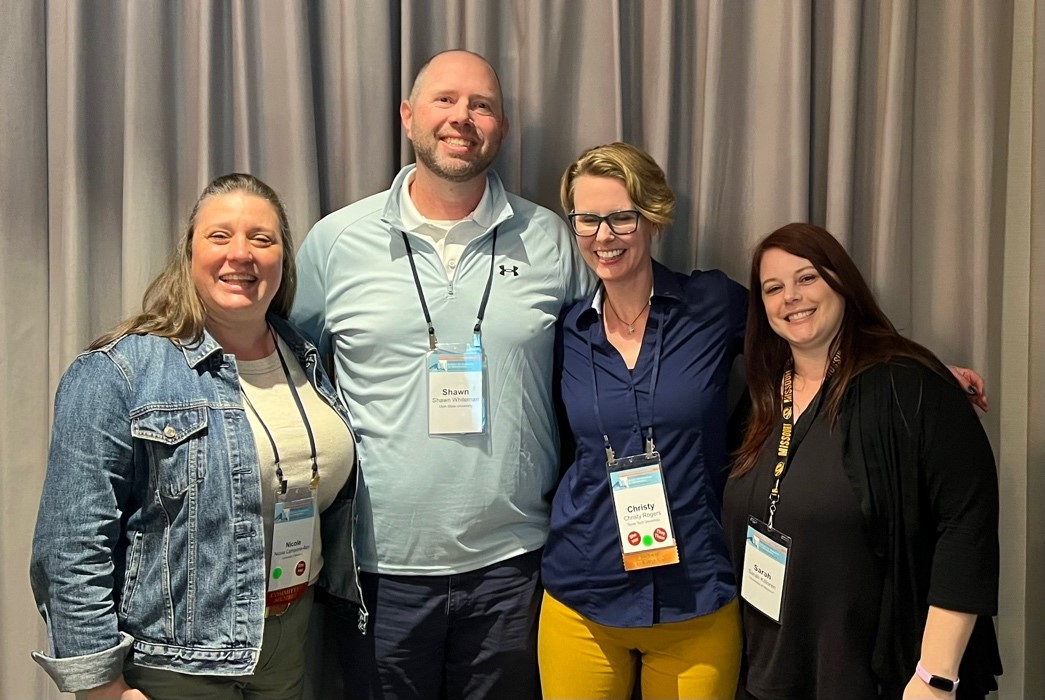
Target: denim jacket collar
(197,353)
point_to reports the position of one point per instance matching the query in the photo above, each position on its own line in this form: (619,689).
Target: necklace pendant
(629,326)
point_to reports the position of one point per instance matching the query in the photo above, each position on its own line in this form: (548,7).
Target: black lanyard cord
(478,329)
(304,420)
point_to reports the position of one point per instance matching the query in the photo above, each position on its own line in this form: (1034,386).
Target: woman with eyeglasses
(636,570)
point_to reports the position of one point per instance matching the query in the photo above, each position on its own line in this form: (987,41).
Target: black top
(823,645)
(921,472)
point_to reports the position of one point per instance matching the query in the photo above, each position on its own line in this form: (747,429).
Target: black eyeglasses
(620,222)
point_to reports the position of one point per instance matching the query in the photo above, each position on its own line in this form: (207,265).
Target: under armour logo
(514,270)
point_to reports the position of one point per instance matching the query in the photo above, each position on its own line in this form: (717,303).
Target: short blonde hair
(645,181)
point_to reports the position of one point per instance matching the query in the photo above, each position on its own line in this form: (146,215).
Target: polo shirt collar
(492,209)
(481,217)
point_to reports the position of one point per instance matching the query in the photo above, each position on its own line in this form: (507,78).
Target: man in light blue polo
(438,299)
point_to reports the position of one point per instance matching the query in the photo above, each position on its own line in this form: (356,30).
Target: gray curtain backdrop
(912,130)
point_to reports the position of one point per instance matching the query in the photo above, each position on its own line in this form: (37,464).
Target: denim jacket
(149,535)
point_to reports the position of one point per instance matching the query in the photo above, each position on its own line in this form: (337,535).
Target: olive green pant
(279,674)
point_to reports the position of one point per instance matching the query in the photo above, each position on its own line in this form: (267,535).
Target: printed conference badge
(765,567)
(293,527)
(456,404)
(643,518)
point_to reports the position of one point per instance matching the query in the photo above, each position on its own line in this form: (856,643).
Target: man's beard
(465,170)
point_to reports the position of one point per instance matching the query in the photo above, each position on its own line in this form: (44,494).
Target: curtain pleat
(913,131)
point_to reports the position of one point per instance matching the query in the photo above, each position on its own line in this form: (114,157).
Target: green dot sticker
(277,572)
(647,541)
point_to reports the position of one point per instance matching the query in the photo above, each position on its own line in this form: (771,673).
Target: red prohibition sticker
(300,568)
(634,538)
(660,534)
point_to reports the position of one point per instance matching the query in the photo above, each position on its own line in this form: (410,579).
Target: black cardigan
(924,474)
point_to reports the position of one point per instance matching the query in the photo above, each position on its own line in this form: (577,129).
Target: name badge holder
(765,567)
(456,390)
(640,501)
(456,372)
(293,528)
(294,514)
(766,549)
(639,495)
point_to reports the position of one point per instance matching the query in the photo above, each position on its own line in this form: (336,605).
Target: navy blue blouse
(701,321)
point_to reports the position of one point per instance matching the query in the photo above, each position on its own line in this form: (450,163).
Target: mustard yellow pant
(698,658)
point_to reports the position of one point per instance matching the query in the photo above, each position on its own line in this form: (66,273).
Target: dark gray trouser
(278,676)
(468,636)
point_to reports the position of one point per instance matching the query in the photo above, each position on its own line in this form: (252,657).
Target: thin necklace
(629,326)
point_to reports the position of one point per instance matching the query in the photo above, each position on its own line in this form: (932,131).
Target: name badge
(293,526)
(456,405)
(765,567)
(643,518)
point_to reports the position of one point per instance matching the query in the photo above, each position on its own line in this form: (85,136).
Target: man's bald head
(465,59)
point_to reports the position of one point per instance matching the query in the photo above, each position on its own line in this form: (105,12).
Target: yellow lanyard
(787,412)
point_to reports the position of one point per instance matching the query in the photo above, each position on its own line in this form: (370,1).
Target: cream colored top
(265,384)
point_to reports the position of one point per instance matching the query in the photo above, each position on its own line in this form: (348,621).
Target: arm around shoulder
(310,300)
(578,279)
(961,483)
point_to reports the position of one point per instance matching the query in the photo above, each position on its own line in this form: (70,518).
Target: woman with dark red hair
(862,510)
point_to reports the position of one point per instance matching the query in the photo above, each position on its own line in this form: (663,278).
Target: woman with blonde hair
(636,570)
(193,448)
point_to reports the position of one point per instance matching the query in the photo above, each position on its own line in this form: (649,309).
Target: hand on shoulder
(973,385)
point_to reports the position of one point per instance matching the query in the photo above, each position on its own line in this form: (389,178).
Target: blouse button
(169,432)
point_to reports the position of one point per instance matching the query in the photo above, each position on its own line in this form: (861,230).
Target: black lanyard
(477,332)
(304,419)
(789,438)
(611,456)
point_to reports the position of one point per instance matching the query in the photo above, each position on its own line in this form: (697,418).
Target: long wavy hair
(866,337)
(171,306)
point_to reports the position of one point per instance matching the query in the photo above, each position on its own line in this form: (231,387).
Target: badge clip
(611,456)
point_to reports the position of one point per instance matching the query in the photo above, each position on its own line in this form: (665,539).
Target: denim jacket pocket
(174,439)
(130,581)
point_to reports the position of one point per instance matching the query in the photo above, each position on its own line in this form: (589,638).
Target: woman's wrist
(945,682)
(918,689)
